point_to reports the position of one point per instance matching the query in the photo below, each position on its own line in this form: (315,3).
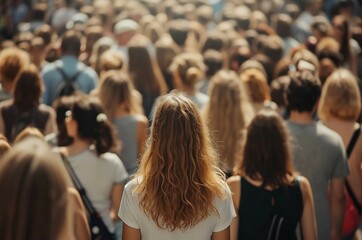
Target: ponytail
(104,138)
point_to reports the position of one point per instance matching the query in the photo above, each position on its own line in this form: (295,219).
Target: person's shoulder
(49,68)
(327,133)
(87,70)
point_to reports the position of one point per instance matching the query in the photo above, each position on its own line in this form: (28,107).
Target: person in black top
(268,196)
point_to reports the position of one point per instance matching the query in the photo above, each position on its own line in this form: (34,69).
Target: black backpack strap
(353,141)
(78,185)
(349,150)
(67,78)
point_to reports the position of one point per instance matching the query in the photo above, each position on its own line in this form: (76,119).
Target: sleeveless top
(269,214)
(127,132)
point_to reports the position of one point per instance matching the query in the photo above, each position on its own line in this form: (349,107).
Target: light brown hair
(228,113)
(178,184)
(33,186)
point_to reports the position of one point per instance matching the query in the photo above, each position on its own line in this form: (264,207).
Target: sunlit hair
(12,60)
(178,184)
(256,85)
(110,60)
(116,88)
(33,183)
(28,132)
(340,97)
(267,152)
(228,112)
(189,66)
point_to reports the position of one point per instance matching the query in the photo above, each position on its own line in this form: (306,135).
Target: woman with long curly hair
(178,191)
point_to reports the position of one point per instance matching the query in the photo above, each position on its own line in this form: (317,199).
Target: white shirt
(98,174)
(131,214)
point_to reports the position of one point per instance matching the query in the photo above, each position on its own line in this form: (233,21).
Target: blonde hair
(228,112)
(116,88)
(340,97)
(28,132)
(110,60)
(178,184)
(33,183)
(189,66)
(257,85)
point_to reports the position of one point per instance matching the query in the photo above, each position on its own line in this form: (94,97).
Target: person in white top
(101,172)
(178,191)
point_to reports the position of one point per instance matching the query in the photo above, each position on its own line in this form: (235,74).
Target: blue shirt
(52,78)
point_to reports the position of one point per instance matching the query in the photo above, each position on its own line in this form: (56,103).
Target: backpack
(16,121)
(67,87)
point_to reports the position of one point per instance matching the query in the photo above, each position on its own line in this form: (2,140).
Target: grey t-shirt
(319,155)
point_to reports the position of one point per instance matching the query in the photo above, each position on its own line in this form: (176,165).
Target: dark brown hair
(267,153)
(28,88)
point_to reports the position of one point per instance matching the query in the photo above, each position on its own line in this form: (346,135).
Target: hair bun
(192,74)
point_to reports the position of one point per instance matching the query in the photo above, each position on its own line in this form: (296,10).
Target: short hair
(35,184)
(267,151)
(340,97)
(283,23)
(12,60)
(303,91)
(71,43)
(213,61)
(178,30)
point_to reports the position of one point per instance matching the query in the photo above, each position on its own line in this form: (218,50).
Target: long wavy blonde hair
(178,171)
(228,113)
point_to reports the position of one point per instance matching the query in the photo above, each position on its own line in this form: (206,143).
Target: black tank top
(269,214)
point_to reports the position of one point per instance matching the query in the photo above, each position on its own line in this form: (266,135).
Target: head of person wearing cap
(125,30)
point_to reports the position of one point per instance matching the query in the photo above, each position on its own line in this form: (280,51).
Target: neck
(78,146)
(122,111)
(301,117)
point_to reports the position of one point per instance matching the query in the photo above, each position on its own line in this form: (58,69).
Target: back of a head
(189,67)
(35,183)
(303,91)
(28,88)
(283,24)
(116,88)
(71,43)
(256,84)
(268,137)
(168,171)
(340,97)
(213,61)
(93,124)
(178,30)
(12,60)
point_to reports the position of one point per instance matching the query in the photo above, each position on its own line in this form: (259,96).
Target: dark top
(269,214)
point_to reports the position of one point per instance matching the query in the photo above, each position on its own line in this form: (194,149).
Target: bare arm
(337,207)
(222,235)
(81,228)
(130,233)
(141,135)
(116,200)
(308,221)
(234,185)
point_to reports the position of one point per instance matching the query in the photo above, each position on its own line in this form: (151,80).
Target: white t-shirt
(98,174)
(131,214)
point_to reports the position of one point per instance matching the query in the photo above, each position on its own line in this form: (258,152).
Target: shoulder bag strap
(349,150)
(87,203)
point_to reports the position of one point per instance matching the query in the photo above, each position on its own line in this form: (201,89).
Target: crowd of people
(184,119)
